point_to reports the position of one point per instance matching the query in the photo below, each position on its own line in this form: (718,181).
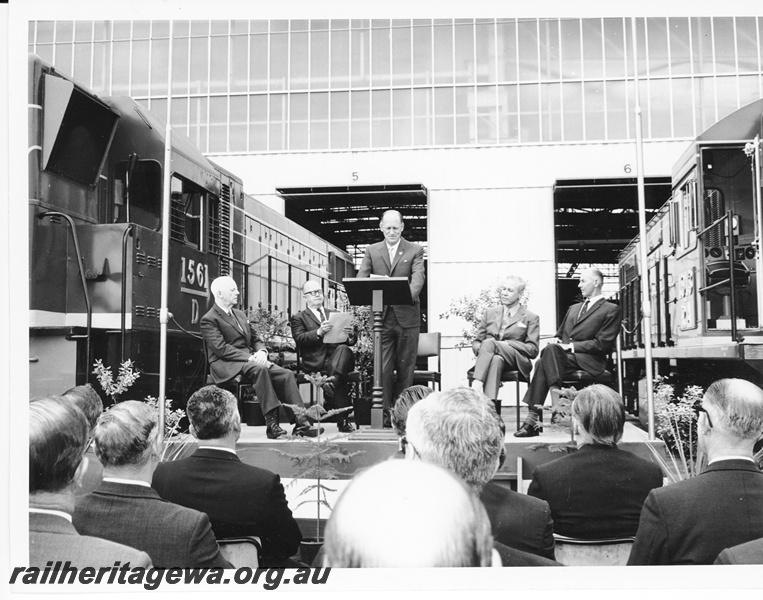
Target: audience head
(391,226)
(734,413)
(127,435)
(599,415)
(457,429)
(430,519)
(213,414)
(590,283)
(408,397)
(87,400)
(58,438)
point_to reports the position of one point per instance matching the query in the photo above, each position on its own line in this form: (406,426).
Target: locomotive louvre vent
(149,312)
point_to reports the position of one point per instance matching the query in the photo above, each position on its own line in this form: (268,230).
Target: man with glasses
(308,328)
(692,521)
(397,257)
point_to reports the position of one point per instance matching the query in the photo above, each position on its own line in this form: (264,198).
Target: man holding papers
(324,337)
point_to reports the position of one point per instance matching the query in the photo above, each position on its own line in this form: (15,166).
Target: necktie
(584,310)
(391,255)
(504,323)
(322,314)
(230,314)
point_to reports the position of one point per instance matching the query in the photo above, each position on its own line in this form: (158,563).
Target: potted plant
(677,426)
(176,443)
(318,460)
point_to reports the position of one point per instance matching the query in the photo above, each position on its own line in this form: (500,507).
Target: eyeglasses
(314,293)
(701,409)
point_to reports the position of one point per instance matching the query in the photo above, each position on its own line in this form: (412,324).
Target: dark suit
(400,333)
(592,336)
(53,538)
(511,347)
(511,557)
(519,521)
(596,492)
(318,357)
(230,341)
(692,521)
(238,498)
(749,553)
(134,515)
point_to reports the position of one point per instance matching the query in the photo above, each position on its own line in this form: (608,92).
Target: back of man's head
(58,436)
(457,429)
(430,519)
(737,408)
(125,434)
(87,400)
(212,413)
(599,412)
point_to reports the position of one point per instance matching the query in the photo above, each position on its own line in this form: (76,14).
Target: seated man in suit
(440,524)
(459,430)
(397,257)
(692,521)
(125,509)
(583,341)
(598,491)
(58,437)
(239,499)
(89,402)
(308,327)
(507,337)
(233,348)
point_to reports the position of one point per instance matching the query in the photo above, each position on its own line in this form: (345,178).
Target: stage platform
(378,445)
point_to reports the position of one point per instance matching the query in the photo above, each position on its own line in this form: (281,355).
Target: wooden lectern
(377,292)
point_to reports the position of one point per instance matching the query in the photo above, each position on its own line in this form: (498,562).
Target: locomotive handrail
(123,305)
(715,223)
(88,306)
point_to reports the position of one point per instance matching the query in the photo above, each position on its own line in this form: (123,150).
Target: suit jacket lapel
(590,311)
(385,256)
(400,250)
(311,315)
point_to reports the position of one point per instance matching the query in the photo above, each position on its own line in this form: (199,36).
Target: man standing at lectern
(397,257)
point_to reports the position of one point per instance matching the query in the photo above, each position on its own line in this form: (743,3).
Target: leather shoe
(526,431)
(345,426)
(328,388)
(274,431)
(305,430)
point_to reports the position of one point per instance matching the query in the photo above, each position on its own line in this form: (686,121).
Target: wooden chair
(242,551)
(507,376)
(429,346)
(576,552)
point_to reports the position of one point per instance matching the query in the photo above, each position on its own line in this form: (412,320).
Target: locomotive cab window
(728,186)
(138,193)
(187,212)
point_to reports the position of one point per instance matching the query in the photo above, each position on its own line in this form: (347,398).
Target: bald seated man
(430,519)
(234,348)
(583,342)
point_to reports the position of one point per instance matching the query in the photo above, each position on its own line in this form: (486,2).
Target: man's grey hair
(739,407)
(457,429)
(520,282)
(430,519)
(600,413)
(212,412)
(124,434)
(218,282)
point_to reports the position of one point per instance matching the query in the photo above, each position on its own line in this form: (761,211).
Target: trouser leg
(492,381)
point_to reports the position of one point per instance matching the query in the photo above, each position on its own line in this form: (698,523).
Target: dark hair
(408,397)
(124,434)
(87,400)
(211,412)
(599,410)
(58,436)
